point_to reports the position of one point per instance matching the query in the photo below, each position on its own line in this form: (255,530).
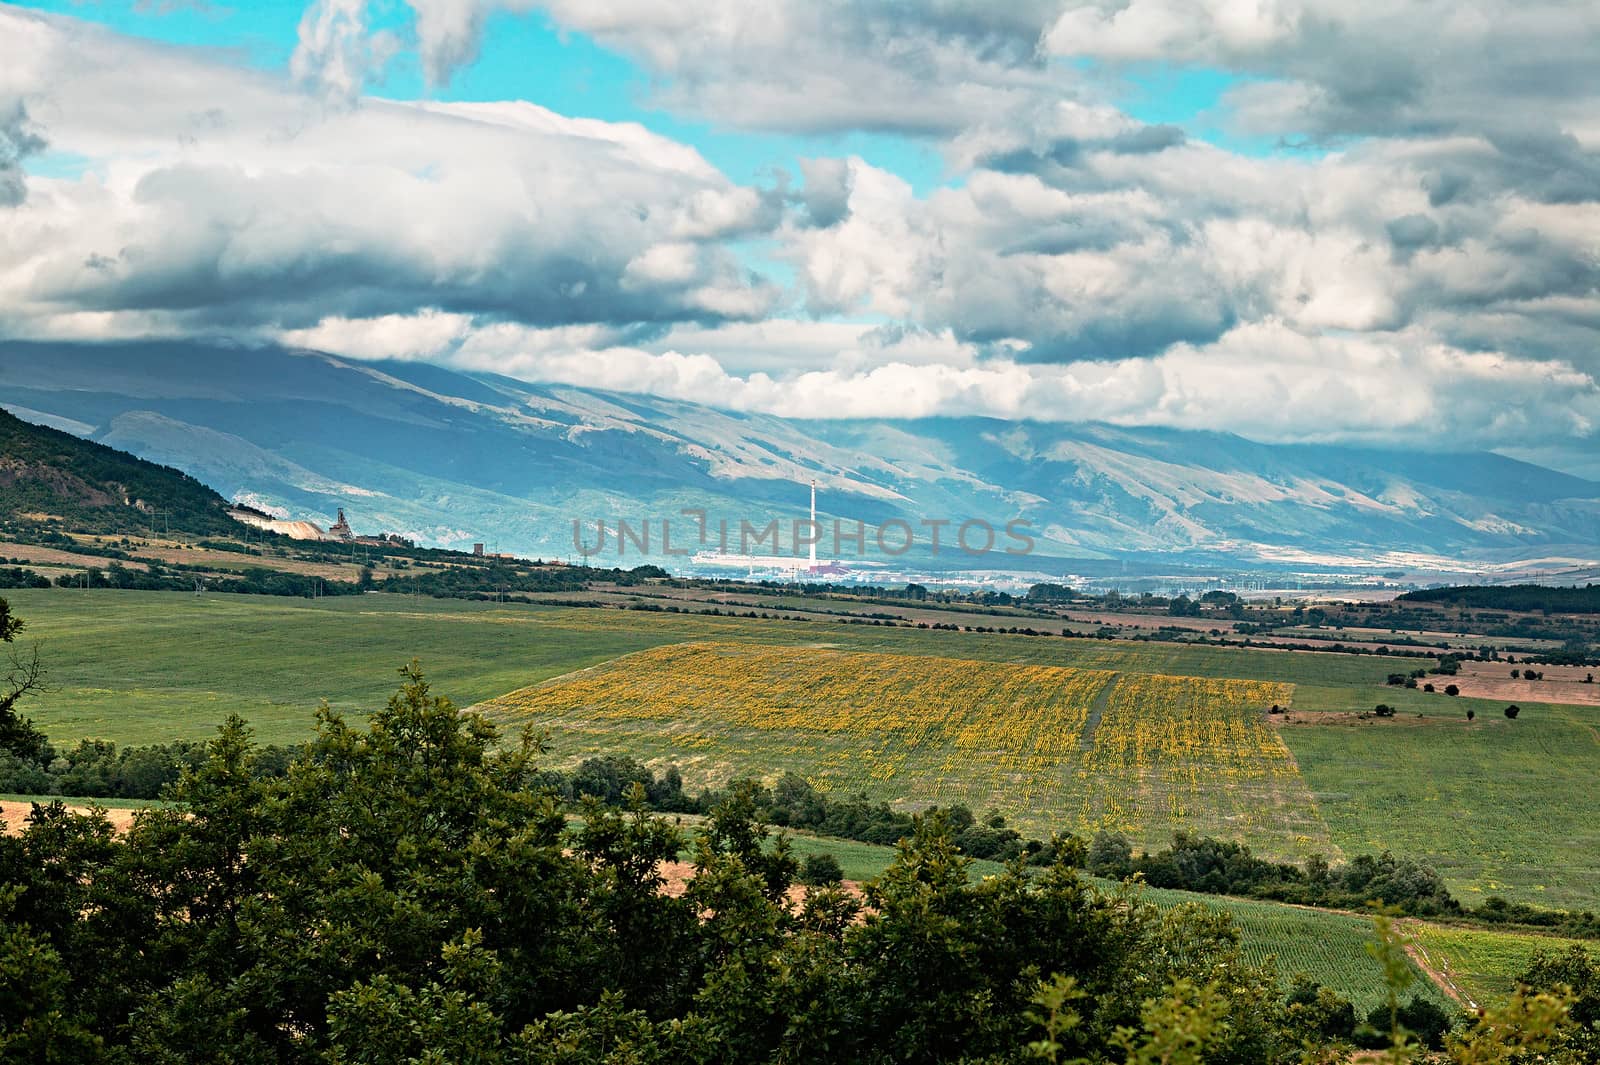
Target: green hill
(48,477)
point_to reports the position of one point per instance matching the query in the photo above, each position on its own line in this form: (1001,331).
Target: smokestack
(814,536)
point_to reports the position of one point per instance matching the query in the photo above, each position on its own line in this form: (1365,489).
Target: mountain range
(451,458)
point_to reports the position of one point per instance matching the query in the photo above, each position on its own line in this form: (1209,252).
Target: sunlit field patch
(1050,747)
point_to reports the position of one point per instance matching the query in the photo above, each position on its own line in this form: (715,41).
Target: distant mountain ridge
(452,458)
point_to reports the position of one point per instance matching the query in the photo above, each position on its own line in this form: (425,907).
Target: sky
(1302,221)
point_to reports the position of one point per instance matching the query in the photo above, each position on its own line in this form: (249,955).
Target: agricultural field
(1481,965)
(150,667)
(1328,947)
(1504,807)
(1497,806)
(1049,747)
(146,667)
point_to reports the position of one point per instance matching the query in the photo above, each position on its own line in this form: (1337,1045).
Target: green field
(145,667)
(142,667)
(1499,807)
(1482,965)
(1328,947)
(1503,807)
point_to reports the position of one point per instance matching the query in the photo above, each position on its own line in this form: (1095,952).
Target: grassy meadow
(1497,806)
(1482,965)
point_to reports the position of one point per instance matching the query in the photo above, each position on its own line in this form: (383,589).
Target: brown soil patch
(54,556)
(14,814)
(678,875)
(1561,684)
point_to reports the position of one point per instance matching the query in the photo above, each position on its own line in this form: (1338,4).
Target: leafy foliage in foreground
(405,893)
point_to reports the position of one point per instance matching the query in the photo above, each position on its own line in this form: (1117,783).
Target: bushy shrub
(820,870)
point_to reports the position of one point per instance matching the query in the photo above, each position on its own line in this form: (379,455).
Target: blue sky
(525,57)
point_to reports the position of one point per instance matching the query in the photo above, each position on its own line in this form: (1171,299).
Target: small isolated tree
(820,870)
(1515,673)
(1471,714)
(1110,855)
(1589,679)
(1427,687)
(1451,689)
(1383,710)
(1513,710)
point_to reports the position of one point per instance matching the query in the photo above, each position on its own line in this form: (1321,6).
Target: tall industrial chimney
(814,532)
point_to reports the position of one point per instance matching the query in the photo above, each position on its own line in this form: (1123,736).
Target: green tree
(24,673)
(820,870)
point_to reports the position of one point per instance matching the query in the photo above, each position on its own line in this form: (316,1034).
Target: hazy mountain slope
(453,458)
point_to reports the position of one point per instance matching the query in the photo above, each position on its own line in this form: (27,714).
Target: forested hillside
(45,473)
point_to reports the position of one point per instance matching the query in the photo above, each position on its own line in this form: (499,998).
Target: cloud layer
(1422,264)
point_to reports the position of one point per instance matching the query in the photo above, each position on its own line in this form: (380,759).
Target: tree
(1513,710)
(24,675)
(1110,855)
(1318,1012)
(1471,714)
(820,870)
(1451,689)
(1573,974)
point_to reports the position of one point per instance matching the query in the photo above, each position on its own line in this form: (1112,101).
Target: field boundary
(572,674)
(1440,977)
(1097,710)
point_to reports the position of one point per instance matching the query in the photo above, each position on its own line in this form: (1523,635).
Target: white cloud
(1263,379)
(219,199)
(335,53)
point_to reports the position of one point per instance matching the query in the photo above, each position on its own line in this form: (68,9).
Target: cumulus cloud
(334,52)
(1264,379)
(1112,253)
(260,207)
(796,65)
(1339,68)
